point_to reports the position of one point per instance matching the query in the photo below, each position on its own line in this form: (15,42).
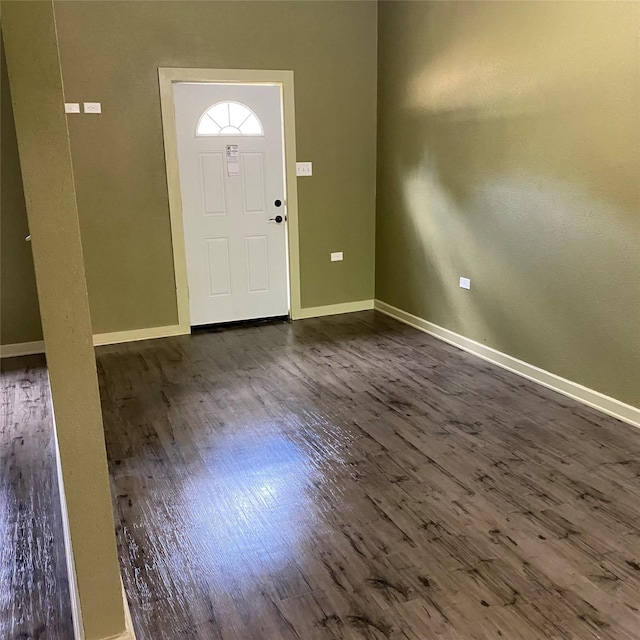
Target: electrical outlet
(336,256)
(465,283)
(304,168)
(92,107)
(72,107)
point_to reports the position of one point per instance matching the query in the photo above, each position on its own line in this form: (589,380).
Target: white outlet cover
(336,256)
(92,107)
(304,168)
(72,107)
(465,283)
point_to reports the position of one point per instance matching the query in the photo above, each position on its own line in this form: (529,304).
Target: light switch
(72,107)
(304,168)
(465,283)
(336,256)
(92,107)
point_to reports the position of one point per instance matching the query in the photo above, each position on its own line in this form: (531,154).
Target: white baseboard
(133,335)
(76,612)
(128,633)
(21,349)
(595,399)
(333,309)
(99,339)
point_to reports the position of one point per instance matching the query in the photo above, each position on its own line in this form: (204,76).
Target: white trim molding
(595,399)
(76,611)
(21,349)
(333,309)
(99,339)
(133,335)
(167,77)
(128,633)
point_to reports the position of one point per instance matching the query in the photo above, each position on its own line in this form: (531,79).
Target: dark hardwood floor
(34,592)
(350,477)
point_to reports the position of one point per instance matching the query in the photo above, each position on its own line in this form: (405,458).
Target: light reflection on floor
(243,509)
(262,500)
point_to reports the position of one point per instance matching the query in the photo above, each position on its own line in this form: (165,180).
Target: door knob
(277,219)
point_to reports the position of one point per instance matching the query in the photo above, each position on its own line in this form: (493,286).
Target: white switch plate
(336,256)
(465,283)
(92,107)
(72,107)
(304,168)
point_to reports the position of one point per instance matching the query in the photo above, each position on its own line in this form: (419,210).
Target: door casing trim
(167,76)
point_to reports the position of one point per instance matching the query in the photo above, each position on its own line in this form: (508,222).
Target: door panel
(213,183)
(236,253)
(258,264)
(219,268)
(253,182)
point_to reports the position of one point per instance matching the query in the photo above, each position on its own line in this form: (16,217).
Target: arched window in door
(229,119)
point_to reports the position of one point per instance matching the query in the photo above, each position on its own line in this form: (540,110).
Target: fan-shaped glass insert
(229,119)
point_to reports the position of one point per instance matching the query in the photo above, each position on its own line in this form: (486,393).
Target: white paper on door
(233,164)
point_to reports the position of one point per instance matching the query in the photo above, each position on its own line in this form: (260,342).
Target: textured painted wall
(509,152)
(43,142)
(18,297)
(111,52)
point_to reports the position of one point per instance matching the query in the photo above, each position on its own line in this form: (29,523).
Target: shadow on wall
(18,296)
(509,152)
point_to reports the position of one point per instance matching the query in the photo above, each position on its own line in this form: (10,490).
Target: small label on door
(233,166)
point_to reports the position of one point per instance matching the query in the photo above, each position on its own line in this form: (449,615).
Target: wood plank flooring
(349,477)
(34,592)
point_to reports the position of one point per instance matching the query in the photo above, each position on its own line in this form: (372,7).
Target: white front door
(231,160)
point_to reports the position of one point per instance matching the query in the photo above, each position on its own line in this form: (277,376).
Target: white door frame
(167,77)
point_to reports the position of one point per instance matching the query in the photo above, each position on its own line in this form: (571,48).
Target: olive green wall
(509,153)
(111,52)
(43,140)
(18,297)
